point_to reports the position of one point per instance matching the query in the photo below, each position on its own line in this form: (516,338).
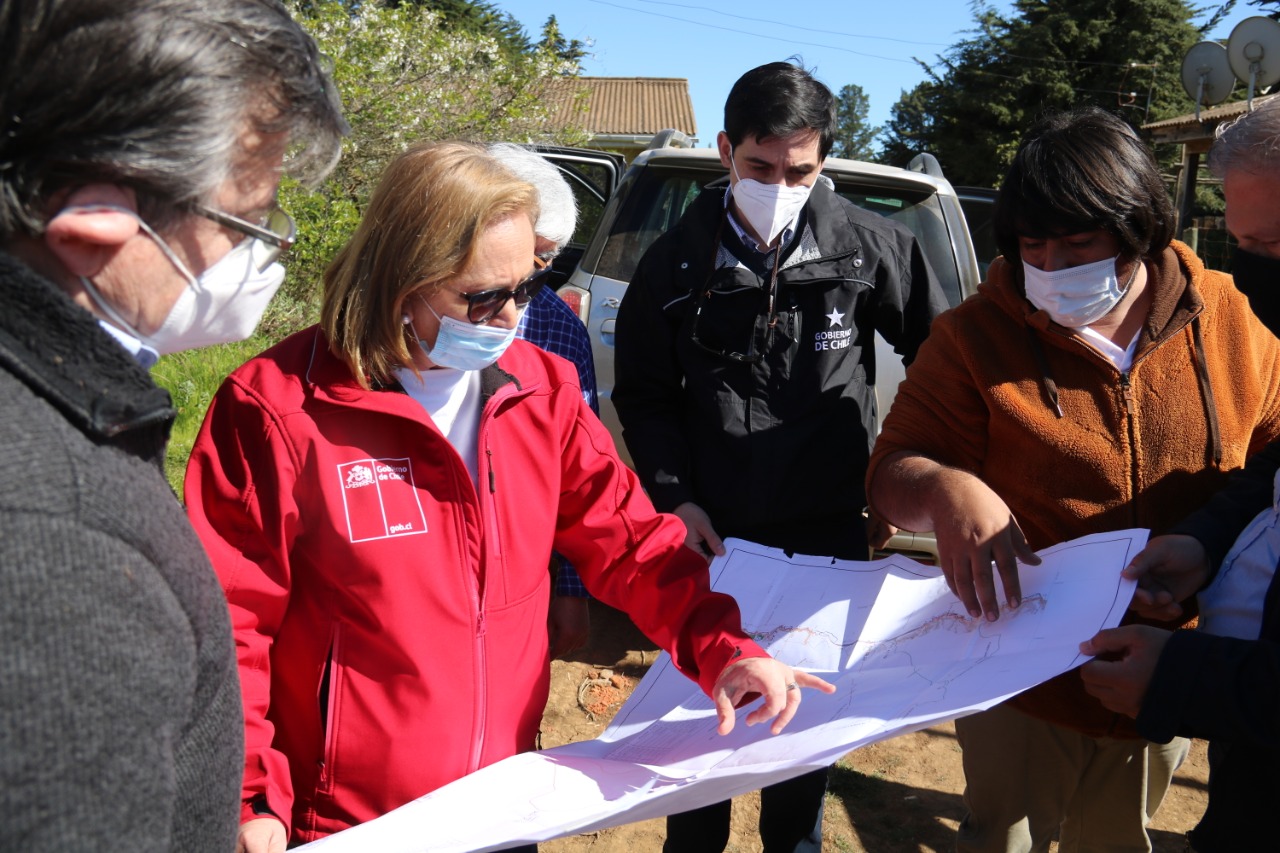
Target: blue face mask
(466,346)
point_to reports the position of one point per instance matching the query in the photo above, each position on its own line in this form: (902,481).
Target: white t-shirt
(452,399)
(1121,358)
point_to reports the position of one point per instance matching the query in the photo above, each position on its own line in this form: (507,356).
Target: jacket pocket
(328,696)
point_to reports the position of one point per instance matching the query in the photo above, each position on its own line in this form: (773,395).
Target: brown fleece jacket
(1136,450)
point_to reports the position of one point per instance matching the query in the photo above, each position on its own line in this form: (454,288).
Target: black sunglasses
(751,356)
(487,304)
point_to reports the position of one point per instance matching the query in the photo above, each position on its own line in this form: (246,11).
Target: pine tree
(854,137)
(984,92)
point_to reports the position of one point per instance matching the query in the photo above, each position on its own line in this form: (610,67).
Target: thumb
(1106,640)
(713,540)
(1139,566)
(725,712)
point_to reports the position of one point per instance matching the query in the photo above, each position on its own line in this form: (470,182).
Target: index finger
(984,584)
(1007,564)
(960,580)
(808,679)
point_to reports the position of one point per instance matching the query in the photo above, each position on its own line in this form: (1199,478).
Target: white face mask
(221,305)
(1076,296)
(768,208)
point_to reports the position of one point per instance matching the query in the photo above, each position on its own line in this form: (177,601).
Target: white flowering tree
(403,77)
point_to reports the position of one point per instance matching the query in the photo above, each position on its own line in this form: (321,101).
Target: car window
(922,214)
(654,203)
(977,213)
(660,195)
(590,183)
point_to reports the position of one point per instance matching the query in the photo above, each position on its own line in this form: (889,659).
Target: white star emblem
(835,317)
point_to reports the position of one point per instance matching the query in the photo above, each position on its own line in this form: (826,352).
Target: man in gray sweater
(141,144)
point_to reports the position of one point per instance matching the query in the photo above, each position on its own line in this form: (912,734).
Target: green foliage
(419,71)
(571,51)
(984,92)
(1267,8)
(854,137)
(192,379)
(476,17)
(405,75)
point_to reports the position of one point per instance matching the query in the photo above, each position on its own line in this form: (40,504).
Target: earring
(405,319)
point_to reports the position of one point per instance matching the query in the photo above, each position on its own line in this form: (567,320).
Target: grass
(192,378)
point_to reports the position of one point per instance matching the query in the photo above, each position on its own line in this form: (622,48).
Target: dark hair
(151,94)
(1079,171)
(777,100)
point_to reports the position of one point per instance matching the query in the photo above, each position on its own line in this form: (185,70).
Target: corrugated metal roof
(622,105)
(1186,126)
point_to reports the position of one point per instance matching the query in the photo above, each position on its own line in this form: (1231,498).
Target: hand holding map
(901,650)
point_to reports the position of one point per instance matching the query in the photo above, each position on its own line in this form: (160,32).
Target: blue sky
(711,43)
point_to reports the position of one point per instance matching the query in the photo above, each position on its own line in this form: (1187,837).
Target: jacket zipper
(1126,391)
(490,554)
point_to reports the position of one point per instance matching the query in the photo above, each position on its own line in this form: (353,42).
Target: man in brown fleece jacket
(1101,378)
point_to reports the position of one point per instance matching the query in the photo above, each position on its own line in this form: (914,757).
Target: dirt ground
(897,796)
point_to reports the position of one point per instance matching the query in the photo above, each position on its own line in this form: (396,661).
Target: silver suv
(666,178)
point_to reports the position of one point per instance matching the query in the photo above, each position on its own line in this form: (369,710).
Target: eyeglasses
(487,304)
(273,237)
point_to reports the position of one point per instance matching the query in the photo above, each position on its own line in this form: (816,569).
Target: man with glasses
(141,144)
(745,360)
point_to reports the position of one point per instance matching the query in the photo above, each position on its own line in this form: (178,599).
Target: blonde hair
(420,229)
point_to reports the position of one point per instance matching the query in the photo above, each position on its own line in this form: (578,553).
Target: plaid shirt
(552,326)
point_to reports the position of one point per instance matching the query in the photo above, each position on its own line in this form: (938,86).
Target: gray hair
(559,208)
(153,95)
(1251,143)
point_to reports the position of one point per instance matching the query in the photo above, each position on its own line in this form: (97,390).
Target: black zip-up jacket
(1227,689)
(766,421)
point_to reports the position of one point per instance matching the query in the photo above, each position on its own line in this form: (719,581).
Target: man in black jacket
(141,144)
(1221,682)
(745,363)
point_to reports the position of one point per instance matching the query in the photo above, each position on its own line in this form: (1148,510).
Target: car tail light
(577,299)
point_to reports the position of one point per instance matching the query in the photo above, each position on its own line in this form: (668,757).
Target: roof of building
(1186,128)
(622,105)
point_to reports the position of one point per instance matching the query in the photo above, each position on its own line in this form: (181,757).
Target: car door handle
(607,331)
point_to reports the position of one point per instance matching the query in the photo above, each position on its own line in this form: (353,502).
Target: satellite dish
(1254,53)
(1206,74)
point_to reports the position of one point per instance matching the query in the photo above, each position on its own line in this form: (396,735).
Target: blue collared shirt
(551,325)
(143,354)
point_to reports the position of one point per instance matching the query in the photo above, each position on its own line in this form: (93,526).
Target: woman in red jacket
(379,495)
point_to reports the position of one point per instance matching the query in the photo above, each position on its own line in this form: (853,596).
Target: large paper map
(898,645)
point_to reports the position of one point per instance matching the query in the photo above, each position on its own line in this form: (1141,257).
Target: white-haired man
(1221,682)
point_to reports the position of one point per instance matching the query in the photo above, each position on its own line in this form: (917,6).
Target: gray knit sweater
(120,718)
